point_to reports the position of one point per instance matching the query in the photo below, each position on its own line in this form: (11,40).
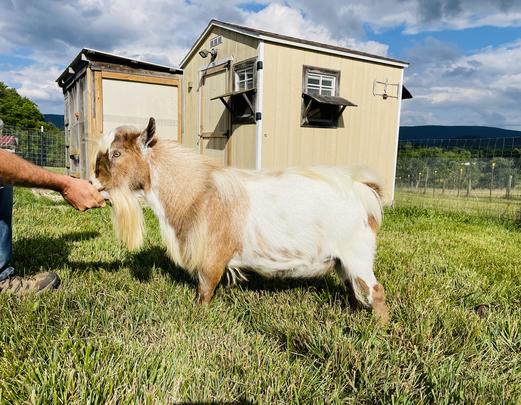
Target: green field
(124,327)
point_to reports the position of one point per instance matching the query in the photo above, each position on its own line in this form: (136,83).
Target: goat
(293,223)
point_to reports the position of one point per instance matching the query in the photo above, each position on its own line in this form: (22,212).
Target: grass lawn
(124,328)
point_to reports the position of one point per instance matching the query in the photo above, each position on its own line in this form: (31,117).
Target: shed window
(244,77)
(321,105)
(322,84)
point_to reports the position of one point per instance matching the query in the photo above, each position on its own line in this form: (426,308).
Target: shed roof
(87,55)
(292,41)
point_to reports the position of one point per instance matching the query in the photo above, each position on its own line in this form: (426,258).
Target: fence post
(469,186)
(426,180)
(434,182)
(492,178)
(459,179)
(509,186)
(42,163)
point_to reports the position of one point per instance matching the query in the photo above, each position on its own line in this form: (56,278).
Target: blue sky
(465,54)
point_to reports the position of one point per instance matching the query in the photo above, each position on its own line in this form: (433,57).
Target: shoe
(34,284)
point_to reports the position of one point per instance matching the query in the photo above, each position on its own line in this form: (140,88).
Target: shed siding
(367,134)
(234,46)
(75,120)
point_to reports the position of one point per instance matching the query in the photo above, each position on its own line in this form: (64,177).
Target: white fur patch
(106,140)
(301,220)
(167,231)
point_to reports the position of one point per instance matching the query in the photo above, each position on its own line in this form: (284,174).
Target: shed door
(133,103)
(215,118)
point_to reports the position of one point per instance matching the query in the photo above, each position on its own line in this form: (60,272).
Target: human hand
(81,194)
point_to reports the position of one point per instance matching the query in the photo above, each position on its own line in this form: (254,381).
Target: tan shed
(103,91)
(256,99)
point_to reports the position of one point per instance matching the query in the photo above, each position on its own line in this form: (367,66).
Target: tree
(18,111)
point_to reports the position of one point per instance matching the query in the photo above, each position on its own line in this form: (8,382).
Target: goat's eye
(116,154)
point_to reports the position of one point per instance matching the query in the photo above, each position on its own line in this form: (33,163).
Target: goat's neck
(178,183)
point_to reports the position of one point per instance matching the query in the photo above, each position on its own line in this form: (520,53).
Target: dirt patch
(48,194)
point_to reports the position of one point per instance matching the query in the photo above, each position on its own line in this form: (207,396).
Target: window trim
(306,70)
(245,64)
(216,41)
(316,70)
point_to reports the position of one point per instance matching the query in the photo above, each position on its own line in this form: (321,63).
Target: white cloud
(290,21)
(37,84)
(479,89)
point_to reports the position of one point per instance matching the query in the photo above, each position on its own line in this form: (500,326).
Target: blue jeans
(6,233)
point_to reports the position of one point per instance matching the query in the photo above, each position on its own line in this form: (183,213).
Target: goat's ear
(148,136)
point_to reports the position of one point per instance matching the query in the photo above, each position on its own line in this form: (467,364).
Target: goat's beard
(127,217)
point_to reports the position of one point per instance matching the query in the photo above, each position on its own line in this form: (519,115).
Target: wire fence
(43,148)
(480,176)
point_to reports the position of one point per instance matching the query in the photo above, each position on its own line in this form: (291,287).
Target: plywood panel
(133,103)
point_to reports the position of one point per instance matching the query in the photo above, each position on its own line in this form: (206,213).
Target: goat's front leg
(209,278)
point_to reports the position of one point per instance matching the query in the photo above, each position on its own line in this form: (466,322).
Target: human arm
(17,171)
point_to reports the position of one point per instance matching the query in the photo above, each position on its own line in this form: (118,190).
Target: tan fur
(275,173)
(373,223)
(202,217)
(362,286)
(311,174)
(376,187)
(380,309)
(361,290)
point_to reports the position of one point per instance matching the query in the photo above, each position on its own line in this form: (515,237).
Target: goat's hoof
(382,313)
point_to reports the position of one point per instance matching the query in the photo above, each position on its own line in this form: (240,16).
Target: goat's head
(122,170)
(121,159)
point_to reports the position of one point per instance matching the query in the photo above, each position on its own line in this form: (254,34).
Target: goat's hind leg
(356,272)
(208,279)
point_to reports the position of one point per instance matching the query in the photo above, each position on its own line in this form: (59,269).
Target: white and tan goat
(291,223)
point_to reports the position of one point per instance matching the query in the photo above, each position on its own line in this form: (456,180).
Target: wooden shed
(256,99)
(103,91)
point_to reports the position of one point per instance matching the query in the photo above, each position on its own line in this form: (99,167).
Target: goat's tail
(368,188)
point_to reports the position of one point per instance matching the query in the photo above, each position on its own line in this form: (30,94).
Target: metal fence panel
(476,177)
(39,147)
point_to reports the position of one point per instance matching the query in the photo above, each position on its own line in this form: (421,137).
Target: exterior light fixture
(204,53)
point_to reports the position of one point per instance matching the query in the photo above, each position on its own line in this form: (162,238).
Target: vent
(216,41)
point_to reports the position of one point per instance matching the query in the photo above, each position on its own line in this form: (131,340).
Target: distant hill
(56,119)
(431,132)
(416,134)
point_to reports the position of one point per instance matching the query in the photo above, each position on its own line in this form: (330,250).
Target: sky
(465,55)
